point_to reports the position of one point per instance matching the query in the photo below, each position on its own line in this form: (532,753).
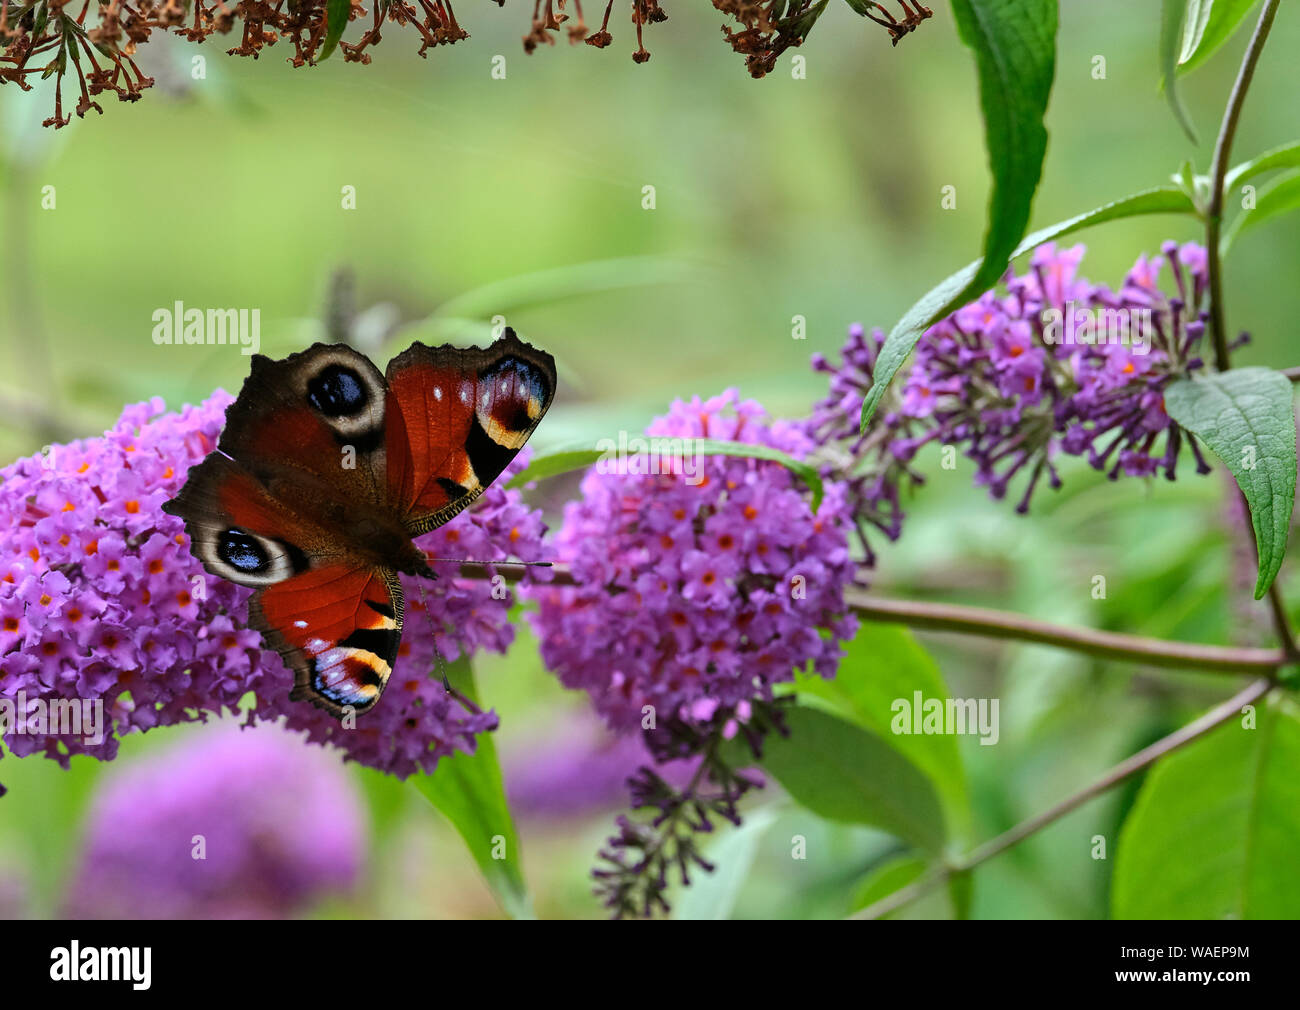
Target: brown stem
(1105,644)
(1003,624)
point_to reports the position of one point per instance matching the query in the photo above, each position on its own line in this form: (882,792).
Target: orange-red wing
(464,415)
(338,628)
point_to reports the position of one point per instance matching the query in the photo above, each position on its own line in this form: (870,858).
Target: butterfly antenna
(476,561)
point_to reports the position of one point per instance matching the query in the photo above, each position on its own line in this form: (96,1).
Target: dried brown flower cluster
(769,29)
(550,17)
(42,36)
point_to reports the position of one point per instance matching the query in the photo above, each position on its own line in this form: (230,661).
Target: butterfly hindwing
(338,628)
(456,418)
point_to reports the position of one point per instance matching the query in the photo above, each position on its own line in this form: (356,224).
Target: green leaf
(1286,156)
(555,463)
(1014,42)
(892,875)
(1171,35)
(1212,834)
(580,457)
(933,306)
(883,663)
(468,790)
(336,20)
(1195,19)
(842,772)
(961,892)
(1279,197)
(1247,417)
(713,895)
(1210,23)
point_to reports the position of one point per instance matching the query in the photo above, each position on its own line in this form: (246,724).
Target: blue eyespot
(337,391)
(242,551)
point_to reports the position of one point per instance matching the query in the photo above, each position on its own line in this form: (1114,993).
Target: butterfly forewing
(465,414)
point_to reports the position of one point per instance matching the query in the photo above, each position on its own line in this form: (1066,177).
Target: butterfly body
(326,472)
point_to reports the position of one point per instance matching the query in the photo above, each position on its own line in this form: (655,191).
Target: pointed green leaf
(842,772)
(469,791)
(1171,36)
(1210,23)
(337,13)
(1214,829)
(1281,196)
(1286,156)
(882,664)
(1247,417)
(1014,42)
(892,875)
(581,457)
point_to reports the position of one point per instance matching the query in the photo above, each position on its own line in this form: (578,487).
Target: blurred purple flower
(579,769)
(697,594)
(100,599)
(230,823)
(14,902)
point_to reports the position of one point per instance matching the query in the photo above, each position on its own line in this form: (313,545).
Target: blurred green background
(817,197)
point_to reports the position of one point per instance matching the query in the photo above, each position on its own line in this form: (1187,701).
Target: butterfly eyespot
(242,551)
(337,391)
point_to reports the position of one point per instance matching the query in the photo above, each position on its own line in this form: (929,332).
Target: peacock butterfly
(325,472)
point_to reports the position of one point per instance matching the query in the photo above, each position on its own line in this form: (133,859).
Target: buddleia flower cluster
(102,604)
(1049,366)
(697,590)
